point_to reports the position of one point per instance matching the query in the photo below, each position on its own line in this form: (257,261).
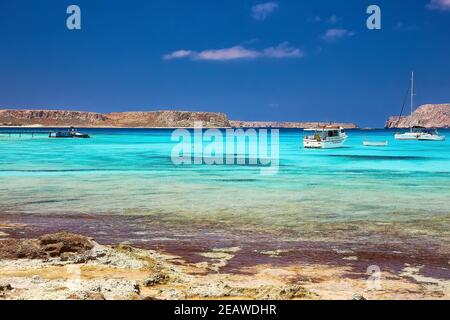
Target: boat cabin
(424,130)
(327,131)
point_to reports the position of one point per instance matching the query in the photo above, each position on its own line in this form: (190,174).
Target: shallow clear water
(350,194)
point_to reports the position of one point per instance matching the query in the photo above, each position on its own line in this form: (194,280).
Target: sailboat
(415,132)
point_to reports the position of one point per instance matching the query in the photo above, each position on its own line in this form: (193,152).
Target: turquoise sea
(388,205)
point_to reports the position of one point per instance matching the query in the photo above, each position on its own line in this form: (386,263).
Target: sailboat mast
(412,101)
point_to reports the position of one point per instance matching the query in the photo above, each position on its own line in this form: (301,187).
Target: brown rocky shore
(153,119)
(70,266)
(428,115)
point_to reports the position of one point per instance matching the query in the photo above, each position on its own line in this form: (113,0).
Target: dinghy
(375,143)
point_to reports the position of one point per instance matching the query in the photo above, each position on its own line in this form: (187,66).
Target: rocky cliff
(118,119)
(154,119)
(51,118)
(168,119)
(428,115)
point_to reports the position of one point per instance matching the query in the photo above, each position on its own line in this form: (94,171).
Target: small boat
(375,143)
(326,137)
(71,133)
(415,132)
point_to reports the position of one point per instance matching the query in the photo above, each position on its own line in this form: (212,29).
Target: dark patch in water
(189,240)
(74,170)
(236,180)
(49,201)
(374,157)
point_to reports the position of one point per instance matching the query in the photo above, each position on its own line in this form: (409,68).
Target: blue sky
(285,60)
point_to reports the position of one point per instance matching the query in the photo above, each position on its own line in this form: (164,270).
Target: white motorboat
(326,137)
(415,132)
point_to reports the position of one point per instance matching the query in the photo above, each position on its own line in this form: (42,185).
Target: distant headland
(151,119)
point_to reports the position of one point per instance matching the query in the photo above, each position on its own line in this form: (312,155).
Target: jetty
(70,133)
(21,132)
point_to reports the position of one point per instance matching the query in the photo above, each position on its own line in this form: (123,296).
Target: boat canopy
(423,129)
(325,128)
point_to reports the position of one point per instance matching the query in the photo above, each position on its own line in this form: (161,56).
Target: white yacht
(415,132)
(325,137)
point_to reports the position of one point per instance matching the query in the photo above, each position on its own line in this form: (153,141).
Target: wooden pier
(20,132)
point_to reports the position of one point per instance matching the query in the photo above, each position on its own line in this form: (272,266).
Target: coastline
(140,119)
(123,272)
(295,243)
(168,128)
(32,268)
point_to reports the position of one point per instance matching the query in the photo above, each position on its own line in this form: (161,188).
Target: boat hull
(65,135)
(431,138)
(328,144)
(375,144)
(406,136)
(419,136)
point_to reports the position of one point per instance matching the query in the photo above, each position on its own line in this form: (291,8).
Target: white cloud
(177,54)
(262,10)
(441,5)
(336,34)
(233,53)
(283,50)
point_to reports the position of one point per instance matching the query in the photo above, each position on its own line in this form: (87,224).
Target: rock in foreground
(60,245)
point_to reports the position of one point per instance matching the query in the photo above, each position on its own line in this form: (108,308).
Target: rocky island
(151,119)
(428,115)
(292,125)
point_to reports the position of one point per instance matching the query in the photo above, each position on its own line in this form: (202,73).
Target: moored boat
(415,132)
(375,143)
(326,137)
(71,133)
